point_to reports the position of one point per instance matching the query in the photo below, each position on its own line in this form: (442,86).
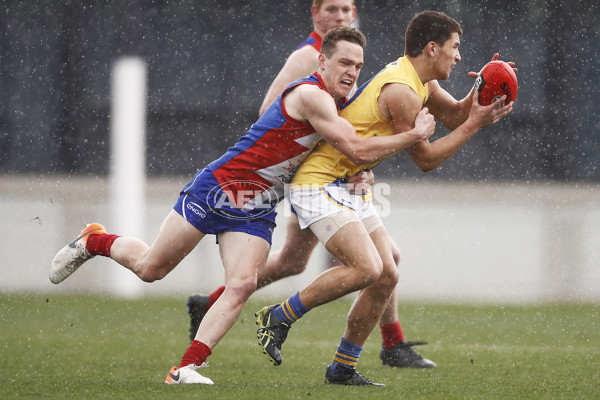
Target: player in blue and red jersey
(241,189)
(235,196)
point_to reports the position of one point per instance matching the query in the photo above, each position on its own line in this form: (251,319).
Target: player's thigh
(175,240)
(352,245)
(243,255)
(299,243)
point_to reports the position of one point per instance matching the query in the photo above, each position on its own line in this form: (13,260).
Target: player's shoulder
(304,54)
(400,93)
(301,63)
(398,100)
(309,90)
(308,99)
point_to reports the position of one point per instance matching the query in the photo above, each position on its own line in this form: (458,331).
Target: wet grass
(100,348)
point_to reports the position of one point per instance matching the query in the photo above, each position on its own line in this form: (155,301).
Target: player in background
(326,15)
(343,222)
(298,246)
(217,200)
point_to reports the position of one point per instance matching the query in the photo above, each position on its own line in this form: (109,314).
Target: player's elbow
(360,157)
(424,160)
(351,154)
(356,151)
(426,165)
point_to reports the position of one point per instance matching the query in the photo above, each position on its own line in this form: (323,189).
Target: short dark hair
(341,33)
(428,26)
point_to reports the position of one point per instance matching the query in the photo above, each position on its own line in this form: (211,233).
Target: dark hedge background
(211,62)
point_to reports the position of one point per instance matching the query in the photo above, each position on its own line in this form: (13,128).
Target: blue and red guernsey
(253,172)
(314,40)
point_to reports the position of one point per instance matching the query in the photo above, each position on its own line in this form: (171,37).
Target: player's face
(340,72)
(447,56)
(333,14)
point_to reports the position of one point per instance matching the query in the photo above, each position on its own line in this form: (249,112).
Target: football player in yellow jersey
(347,224)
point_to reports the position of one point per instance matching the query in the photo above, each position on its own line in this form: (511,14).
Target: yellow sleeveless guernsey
(325,164)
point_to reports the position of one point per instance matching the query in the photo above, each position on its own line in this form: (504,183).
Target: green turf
(100,348)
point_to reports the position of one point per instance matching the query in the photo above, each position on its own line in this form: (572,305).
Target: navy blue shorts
(208,218)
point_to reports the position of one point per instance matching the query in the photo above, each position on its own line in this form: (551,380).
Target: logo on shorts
(196,209)
(242,199)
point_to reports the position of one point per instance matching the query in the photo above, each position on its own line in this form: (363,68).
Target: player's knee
(371,272)
(242,287)
(296,267)
(387,281)
(151,276)
(390,276)
(148,269)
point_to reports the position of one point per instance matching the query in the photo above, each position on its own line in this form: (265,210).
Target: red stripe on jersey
(239,175)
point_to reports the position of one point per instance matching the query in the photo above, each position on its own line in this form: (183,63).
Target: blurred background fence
(209,64)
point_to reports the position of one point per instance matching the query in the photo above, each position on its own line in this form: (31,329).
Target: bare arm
(318,108)
(428,155)
(450,112)
(401,104)
(299,64)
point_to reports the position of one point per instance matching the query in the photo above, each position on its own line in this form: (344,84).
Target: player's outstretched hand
(489,115)
(494,58)
(424,124)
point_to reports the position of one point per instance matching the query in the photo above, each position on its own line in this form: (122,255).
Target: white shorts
(327,209)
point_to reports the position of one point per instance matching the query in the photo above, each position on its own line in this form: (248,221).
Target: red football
(496,79)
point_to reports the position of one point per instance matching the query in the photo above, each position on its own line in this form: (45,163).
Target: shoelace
(262,332)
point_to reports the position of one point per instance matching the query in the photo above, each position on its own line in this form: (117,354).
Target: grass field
(84,347)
